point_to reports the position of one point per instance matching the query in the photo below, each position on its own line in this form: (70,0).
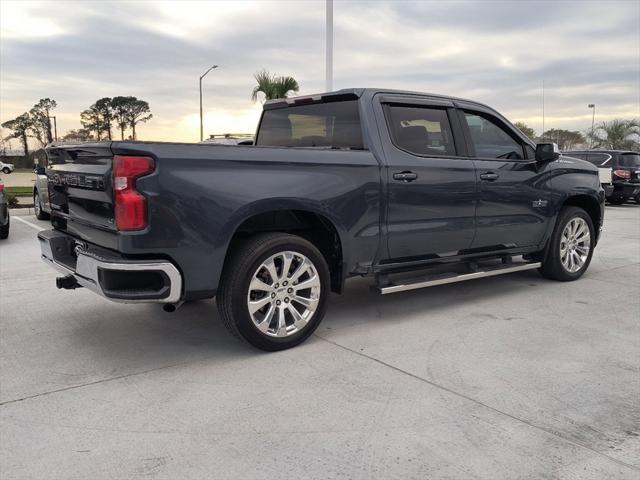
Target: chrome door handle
(489,176)
(405,176)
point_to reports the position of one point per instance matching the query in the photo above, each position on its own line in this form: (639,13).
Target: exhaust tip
(67,283)
(169,307)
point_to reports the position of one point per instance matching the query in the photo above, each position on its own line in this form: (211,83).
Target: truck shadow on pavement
(145,334)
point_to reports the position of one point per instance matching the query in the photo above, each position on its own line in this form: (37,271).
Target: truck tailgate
(80,188)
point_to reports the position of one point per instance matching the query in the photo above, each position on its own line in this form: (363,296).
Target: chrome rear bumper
(115,278)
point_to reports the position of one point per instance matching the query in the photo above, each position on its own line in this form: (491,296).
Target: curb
(21,212)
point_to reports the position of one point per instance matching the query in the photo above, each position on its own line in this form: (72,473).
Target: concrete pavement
(504,378)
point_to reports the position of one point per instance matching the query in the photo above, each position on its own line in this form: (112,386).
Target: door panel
(512,209)
(514,198)
(431,191)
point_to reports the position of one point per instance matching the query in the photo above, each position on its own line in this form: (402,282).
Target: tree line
(617,134)
(36,123)
(106,113)
(98,121)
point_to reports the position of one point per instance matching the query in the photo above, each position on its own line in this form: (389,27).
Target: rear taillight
(622,173)
(1,187)
(130,206)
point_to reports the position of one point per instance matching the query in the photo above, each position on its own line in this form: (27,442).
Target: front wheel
(6,170)
(274,290)
(571,246)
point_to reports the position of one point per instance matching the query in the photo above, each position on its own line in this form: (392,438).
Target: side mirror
(547,152)
(39,170)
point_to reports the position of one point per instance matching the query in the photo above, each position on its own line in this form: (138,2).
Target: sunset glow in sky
(495,52)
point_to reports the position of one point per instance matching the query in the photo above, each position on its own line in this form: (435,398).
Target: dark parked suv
(625,175)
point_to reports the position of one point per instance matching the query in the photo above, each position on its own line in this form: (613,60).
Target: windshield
(629,160)
(329,125)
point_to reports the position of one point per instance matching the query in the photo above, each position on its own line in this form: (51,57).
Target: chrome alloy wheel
(575,244)
(36,204)
(283,294)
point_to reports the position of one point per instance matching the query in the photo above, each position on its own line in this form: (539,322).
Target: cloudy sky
(497,52)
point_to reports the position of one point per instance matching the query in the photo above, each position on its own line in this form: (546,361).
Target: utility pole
(329,47)
(543,110)
(201,77)
(55,127)
(593,119)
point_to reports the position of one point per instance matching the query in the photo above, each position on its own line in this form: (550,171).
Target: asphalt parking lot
(503,378)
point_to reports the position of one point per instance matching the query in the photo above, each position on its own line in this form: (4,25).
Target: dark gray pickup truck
(411,189)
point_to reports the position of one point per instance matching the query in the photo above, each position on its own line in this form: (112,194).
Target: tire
(4,230)
(560,264)
(6,170)
(616,200)
(246,268)
(37,206)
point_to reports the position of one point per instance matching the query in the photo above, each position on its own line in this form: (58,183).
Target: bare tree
(138,112)
(120,107)
(104,108)
(20,127)
(41,116)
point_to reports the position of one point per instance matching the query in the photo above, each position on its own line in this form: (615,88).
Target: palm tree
(617,134)
(273,86)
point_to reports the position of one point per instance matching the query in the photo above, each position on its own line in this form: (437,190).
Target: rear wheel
(37,207)
(571,246)
(274,290)
(6,170)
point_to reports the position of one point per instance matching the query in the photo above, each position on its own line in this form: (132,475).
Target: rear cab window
(421,130)
(321,125)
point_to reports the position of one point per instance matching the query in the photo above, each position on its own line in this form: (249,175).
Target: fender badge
(539,203)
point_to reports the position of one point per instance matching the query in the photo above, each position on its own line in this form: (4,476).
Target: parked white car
(230,139)
(6,167)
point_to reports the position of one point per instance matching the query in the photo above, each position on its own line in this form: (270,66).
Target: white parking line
(32,225)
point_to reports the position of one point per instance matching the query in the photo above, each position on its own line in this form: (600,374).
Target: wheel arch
(590,205)
(312,222)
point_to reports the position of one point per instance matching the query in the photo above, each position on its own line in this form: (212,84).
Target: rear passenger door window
(424,131)
(491,140)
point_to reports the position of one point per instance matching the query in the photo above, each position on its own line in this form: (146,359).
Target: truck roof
(359,92)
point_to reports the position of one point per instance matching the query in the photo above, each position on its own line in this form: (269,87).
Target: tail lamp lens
(1,187)
(622,173)
(130,205)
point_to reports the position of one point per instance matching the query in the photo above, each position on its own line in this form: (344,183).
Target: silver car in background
(41,203)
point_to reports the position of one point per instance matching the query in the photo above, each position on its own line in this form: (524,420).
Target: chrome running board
(443,279)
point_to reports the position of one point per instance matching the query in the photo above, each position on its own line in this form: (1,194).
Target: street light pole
(593,119)
(329,47)
(543,110)
(201,77)
(55,127)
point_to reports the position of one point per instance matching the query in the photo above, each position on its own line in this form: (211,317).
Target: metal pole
(201,109)
(543,110)
(593,119)
(201,77)
(55,128)
(329,47)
